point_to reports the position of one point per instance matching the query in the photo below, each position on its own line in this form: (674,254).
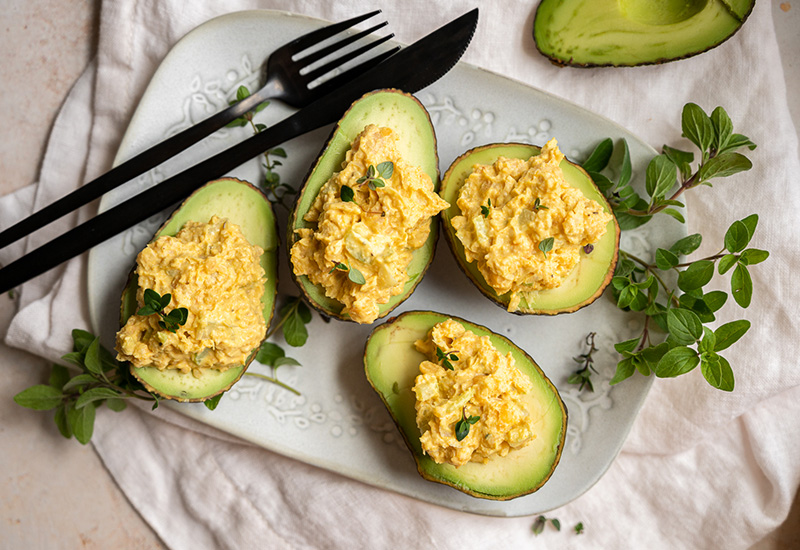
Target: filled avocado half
(407,117)
(594,269)
(246,206)
(588,33)
(391,362)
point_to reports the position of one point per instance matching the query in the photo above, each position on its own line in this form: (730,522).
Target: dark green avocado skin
(245,205)
(406,116)
(391,364)
(626,33)
(591,276)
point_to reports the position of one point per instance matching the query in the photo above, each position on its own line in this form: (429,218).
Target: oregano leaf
(625,369)
(81,421)
(696,276)
(599,158)
(677,361)
(737,237)
(697,127)
(660,176)
(684,326)
(666,260)
(718,373)
(687,245)
(742,286)
(729,333)
(95,394)
(40,397)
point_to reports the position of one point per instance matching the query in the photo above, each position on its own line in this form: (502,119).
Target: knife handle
(152,201)
(130,169)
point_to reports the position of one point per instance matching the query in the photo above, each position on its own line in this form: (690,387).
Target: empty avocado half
(404,114)
(590,33)
(246,206)
(594,269)
(392,363)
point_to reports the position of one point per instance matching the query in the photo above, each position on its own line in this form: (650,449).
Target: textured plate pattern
(338,423)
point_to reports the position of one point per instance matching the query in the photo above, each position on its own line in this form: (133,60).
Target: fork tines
(311,73)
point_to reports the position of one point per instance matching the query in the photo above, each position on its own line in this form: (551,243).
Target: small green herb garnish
(583,375)
(445,358)
(294,316)
(352,273)
(463,425)
(579,528)
(546,245)
(485,209)
(537,205)
(643,285)
(375,177)
(541,521)
(347,194)
(154,304)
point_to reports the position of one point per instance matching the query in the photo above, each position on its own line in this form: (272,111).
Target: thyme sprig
(463,425)
(276,190)
(375,177)
(155,304)
(583,376)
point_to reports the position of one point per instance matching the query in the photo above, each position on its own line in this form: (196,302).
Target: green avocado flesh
(392,363)
(247,207)
(404,114)
(594,270)
(633,32)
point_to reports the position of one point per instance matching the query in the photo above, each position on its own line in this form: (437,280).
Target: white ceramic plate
(339,423)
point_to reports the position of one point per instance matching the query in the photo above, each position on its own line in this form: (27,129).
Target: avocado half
(392,363)
(590,33)
(246,206)
(406,116)
(594,270)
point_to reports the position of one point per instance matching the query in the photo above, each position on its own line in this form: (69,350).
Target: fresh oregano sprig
(670,174)
(100,380)
(682,312)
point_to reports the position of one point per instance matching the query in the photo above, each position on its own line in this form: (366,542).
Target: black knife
(410,69)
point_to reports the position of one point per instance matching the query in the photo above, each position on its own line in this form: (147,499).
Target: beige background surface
(55,492)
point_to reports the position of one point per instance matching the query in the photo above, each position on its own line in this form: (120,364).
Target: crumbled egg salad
(483,383)
(375,233)
(525,202)
(210,269)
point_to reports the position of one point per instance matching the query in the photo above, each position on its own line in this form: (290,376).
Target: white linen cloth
(700,469)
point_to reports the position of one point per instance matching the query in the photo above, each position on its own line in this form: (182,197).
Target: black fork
(290,78)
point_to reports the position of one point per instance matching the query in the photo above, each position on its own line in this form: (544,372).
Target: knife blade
(411,69)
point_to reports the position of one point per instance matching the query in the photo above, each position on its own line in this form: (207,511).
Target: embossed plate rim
(339,423)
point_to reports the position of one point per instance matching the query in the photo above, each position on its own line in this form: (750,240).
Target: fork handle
(135,166)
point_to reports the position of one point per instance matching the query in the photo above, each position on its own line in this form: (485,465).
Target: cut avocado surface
(404,114)
(588,33)
(594,270)
(392,363)
(247,207)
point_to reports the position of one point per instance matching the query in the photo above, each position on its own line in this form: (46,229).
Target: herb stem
(274,380)
(652,270)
